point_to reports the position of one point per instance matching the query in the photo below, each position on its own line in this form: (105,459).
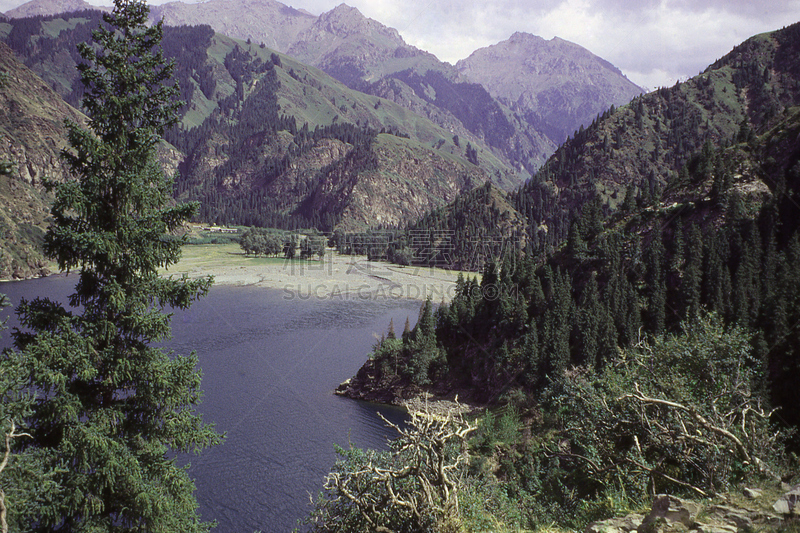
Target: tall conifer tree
(112,407)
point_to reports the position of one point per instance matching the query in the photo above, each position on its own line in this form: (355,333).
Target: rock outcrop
(559,84)
(789,503)
(670,514)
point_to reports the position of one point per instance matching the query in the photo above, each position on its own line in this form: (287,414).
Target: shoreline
(333,277)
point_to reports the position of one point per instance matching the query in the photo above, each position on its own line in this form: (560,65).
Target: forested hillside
(634,151)
(679,248)
(647,143)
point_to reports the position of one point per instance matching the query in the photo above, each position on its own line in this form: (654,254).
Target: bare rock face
(32,115)
(262,21)
(353,48)
(49,7)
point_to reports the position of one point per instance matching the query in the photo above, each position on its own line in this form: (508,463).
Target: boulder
(669,514)
(729,517)
(788,503)
(752,494)
(616,525)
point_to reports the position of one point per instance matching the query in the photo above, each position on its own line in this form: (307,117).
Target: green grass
(215,256)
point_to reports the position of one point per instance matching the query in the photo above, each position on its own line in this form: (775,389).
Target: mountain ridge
(540,76)
(49,7)
(369,56)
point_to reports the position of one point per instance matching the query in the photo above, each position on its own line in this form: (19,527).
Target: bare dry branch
(740,447)
(419,480)
(667,477)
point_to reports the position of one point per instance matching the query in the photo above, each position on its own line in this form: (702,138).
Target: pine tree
(112,408)
(693,274)
(588,318)
(24,483)
(656,284)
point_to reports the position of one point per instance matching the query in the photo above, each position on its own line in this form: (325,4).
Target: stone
(616,525)
(715,528)
(729,516)
(788,503)
(752,494)
(669,511)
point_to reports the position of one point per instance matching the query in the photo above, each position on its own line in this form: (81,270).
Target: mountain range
(370,57)
(380,134)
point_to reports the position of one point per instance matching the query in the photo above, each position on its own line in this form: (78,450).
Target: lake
(270,363)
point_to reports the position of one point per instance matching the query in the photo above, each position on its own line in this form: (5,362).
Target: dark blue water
(270,366)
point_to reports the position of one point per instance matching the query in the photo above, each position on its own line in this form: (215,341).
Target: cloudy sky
(654,42)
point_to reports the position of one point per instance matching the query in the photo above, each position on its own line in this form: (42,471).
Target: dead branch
(421,454)
(740,447)
(667,477)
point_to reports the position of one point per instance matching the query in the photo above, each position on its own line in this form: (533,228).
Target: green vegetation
(265,242)
(635,321)
(637,345)
(103,410)
(683,414)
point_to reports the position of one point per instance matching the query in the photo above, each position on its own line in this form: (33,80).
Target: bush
(680,415)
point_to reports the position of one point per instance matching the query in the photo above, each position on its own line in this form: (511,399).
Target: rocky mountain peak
(266,21)
(557,83)
(344,21)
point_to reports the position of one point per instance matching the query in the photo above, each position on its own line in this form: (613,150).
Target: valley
(612,276)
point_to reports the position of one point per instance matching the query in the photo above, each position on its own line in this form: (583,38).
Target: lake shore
(333,277)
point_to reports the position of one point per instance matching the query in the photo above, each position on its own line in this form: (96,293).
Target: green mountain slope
(646,143)
(308,147)
(251,154)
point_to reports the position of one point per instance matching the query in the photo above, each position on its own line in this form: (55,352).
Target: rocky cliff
(48,7)
(32,135)
(261,21)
